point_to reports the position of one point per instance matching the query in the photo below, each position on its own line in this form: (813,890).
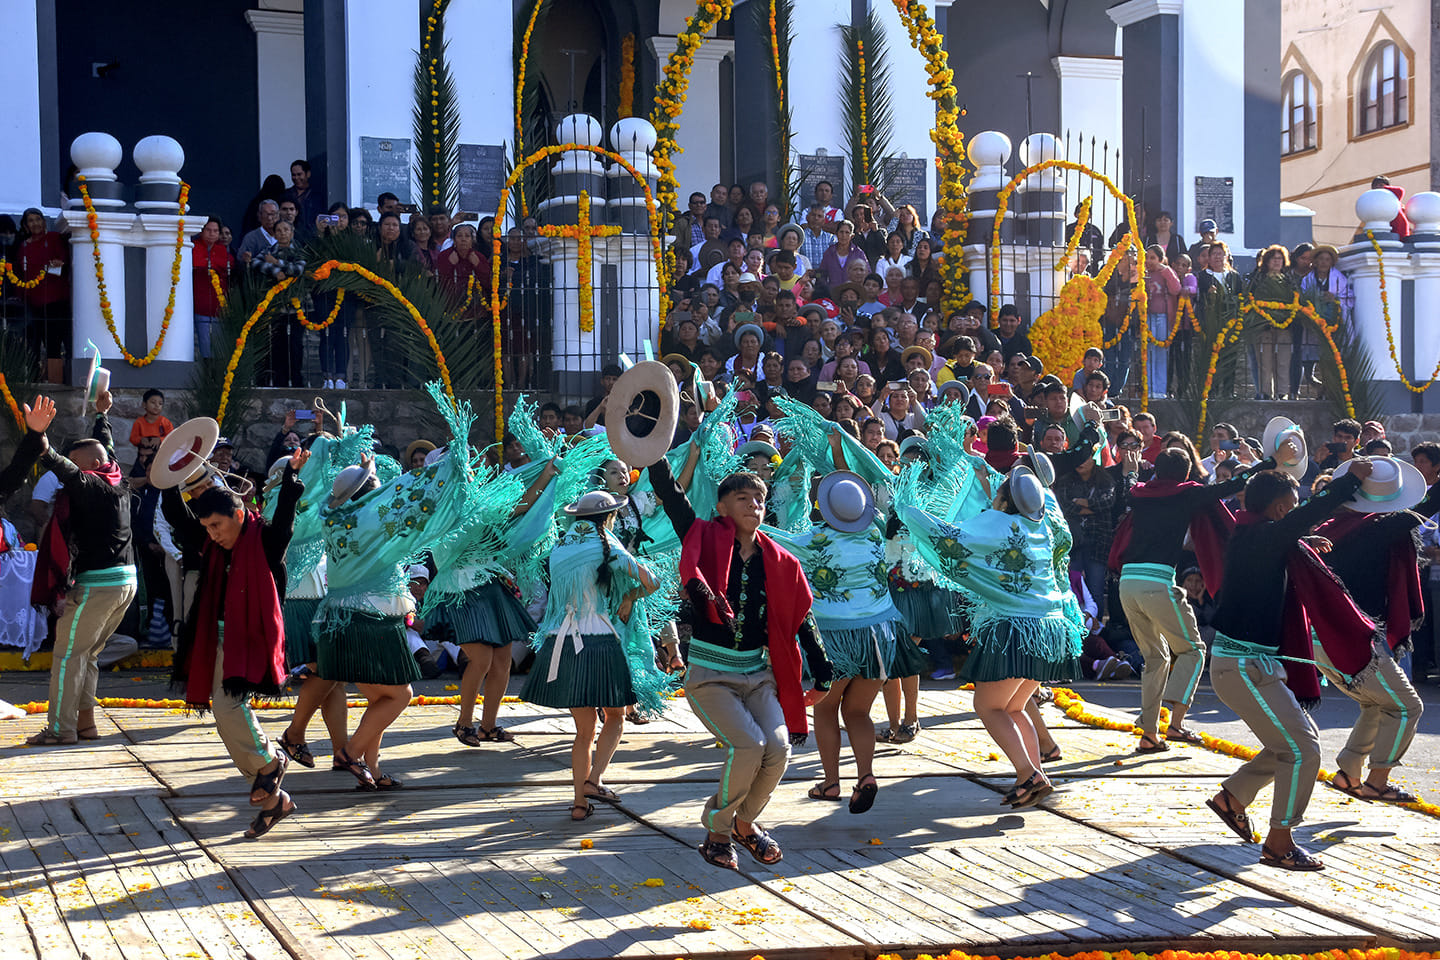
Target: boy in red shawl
(747,601)
(242,585)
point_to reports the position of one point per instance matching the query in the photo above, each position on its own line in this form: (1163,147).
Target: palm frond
(18,362)
(784,176)
(436,119)
(207,377)
(879,122)
(534,131)
(1359,373)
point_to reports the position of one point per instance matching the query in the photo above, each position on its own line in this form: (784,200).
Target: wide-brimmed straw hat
(596,503)
(1393,485)
(1278,432)
(641,413)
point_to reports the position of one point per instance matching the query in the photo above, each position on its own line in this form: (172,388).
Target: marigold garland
(1186,318)
(92,220)
(431,23)
(864,172)
(1082,220)
(8,272)
(262,308)
(520,104)
(10,402)
(627,77)
(775,59)
(1389,332)
(220,297)
(582,233)
(952,197)
(305,322)
(1061,335)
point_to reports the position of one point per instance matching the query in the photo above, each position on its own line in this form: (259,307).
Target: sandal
(268,784)
(676,664)
(1351,787)
(1182,735)
(1237,820)
(1052,755)
(587,811)
(821,791)
(887,735)
(635,717)
(357,769)
(1032,791)
(47,739)
(720,853)
(385,782)
(1391,794)
(906,733)
(466,735)
(1156,746)
(864,796)
(762,847)
(497,734)
(91,732)
(299,752)
(266,819)
(603,794)
(1295,859)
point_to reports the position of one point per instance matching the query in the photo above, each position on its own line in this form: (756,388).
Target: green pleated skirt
(299,615)
(364,648)
(598,676)
(909,659)
(997,656)
(489,614)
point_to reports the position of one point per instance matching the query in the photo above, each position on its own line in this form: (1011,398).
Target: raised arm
(672,497)
(1298,522)
(692,460)
(32,446)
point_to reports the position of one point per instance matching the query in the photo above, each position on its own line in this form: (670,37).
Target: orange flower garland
(1389,333)
(335,312)
(260,310)
(1061,335)
(10,402)
(775,57)
(1082,220)
(582,233)
(864,173)
(92,220)
(431,23)
(215,285)
(1187,318)
(520,103)
(627,77)
(952,197)
(8,272)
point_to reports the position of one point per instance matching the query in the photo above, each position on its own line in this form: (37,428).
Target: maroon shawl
(52,566)
(1210,530)
(1404,606)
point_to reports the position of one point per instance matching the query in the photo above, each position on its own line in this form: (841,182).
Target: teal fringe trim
(596,677)
(365,649)
(1045,649)
(523,427)
(853,652)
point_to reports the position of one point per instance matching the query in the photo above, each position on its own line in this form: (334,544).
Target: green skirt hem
(366,649)
(598,676)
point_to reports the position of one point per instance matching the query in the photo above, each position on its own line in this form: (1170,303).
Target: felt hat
(1324,248)
(1278,432)
(846,501)
(1393,485)
(351,481)
(755,448)
(1027,493)
(97,379)
(839,289)
(680,358)
(182,456)
(915,442)
(410,449)
(789,228)
(813,308)
(917,351)
(1042,467)
(596,503)
(641,413)
(743,329)
(748,277)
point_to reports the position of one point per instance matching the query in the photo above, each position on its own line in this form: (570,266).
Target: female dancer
(582,661)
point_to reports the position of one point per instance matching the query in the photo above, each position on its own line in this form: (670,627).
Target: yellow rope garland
(1389,332)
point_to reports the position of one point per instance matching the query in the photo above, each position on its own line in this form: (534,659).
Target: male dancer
(1374,555)
(747,597)
(92,514)
(1275,592)
(1164,625)
(242,584)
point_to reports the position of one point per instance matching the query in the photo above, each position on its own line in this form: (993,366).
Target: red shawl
(705,562)
(52,566)
(1316,600)
(249,603)
(1209,531)
(1404,606)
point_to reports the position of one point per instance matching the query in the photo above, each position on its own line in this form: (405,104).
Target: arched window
(1298,110)
(1384,89)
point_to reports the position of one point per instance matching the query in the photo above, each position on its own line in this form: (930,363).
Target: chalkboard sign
(482,174)
(813,168)
(1215,200)
(908,181)
(384,168)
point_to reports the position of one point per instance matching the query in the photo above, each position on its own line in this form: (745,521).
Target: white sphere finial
(1424,212)
(1376,208)
(1039,147)
(989,148)
(580,128)
(633,136)
(97,155)
(159,159)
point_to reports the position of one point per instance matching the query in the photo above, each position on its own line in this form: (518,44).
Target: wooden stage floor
(129,848)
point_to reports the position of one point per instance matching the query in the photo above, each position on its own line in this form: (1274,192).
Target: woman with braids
(593,646)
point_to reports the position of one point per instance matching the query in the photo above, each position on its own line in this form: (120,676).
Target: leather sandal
(45,738)
(358,770)
(268,782)
(385,782)
(864,796)
(720,853)
(603,794)
(1351,787)
(1391,794)
(1052,755)
(299,752)
(1032,791)
(1237,820)
(1294,859)
(821,791)
(762,846)
(587,810)
(1155,745)
(1185,735)
(466,735)
(266,819)
(496,734)
(91,732)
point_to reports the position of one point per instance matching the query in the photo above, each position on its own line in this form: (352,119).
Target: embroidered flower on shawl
(1013,560)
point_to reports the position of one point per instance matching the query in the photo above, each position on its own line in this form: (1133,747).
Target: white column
(280,78)
(20,120)
(114,235)
(1362,267)
(1425,349)
(698,167)
(1212,97)
(814,84)
(1090,109)
(156,233)
(639,291)
(381,37)
(484,77)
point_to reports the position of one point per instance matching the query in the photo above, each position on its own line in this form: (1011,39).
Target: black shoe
(429,669)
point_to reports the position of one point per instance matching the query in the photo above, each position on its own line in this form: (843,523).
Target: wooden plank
(1097,905)
(604,919)
(517,907)
(17,944)
(278,889)
(454,913)
(398,927)
(28,886)
(75,901)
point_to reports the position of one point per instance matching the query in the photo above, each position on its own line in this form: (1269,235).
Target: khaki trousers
(743,711)
(1254,687)
(247,744)
(1163,624)
(94,607)
(1389,713)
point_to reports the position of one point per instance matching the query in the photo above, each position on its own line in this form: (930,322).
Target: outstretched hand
(298,458)
(40,414)
(104,402)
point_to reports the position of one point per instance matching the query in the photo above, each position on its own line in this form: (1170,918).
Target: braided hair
(605,574)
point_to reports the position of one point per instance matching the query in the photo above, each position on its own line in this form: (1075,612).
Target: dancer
(844,560)
(583,660)
(749,601)
(92,515)
(370,531)
(1374,555)
(1275,591)
(242,580)
(1009,562)
(1147,546)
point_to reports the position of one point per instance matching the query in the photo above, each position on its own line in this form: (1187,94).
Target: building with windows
(1355,95)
